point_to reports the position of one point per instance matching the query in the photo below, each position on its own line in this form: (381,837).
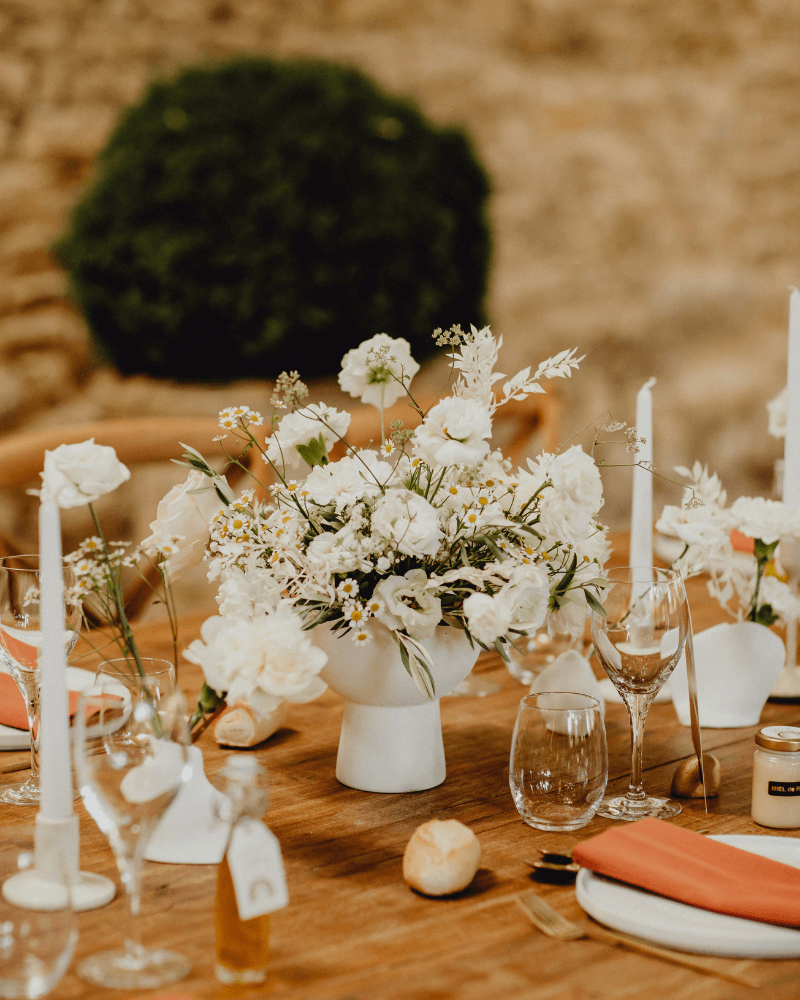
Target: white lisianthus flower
(186,515)
(488,617)
(77,474)
(454,432)
(298,428)
(406,604)
(344,482)
(261,660)
(379,370)
(408,521)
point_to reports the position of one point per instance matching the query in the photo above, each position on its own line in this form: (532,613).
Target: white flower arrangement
(752,580)
(430,528)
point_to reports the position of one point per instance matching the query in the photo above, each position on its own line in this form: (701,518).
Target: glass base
(226,975)
(120,969)
(624,808)
(26,794)
(475,686)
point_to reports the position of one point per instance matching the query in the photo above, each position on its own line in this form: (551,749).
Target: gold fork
(550,922)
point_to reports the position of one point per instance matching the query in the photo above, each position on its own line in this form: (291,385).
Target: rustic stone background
(645,162)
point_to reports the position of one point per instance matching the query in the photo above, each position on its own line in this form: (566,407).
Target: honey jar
(776,778)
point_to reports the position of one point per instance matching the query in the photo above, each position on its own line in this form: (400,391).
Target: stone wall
(645,162)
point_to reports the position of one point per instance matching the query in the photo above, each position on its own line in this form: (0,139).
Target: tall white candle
(791,447)
(55,761)
(641,551)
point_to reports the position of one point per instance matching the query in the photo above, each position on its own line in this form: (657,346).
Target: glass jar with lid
(776,778)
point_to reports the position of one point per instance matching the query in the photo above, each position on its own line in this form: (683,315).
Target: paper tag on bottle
(259,880)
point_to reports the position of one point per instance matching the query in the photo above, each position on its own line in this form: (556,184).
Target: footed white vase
(737,663)
(391,738)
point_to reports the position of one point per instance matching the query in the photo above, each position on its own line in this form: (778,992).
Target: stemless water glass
(36,946)
(559,764)
(20,642)
(126,789)
(123,678)
(639,640)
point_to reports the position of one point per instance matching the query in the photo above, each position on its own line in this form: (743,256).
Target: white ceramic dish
(687,928)
(19,739)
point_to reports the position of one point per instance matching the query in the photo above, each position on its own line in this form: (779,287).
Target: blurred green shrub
(259,215)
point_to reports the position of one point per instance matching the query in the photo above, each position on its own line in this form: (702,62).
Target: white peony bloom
(344,482)
(408,521)
(406,604)
(302,426)
(757,517)
(77,474)
(186,515)
(247,592)
(567,508)
(261,660)
(696,526)
(488,618)
(379,370)
(454,432)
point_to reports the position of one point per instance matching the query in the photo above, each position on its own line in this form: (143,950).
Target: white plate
(688,928)
(19,739)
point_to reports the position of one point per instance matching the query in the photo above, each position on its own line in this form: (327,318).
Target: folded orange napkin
(682,865)
(12,704)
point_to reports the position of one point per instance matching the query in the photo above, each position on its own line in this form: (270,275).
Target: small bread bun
(441,857)
(241,726)
(686,782)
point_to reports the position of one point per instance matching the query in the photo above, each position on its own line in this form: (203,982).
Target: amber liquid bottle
(242,945)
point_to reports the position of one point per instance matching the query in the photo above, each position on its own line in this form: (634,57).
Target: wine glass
(20,641)
(639,640)
(126,788)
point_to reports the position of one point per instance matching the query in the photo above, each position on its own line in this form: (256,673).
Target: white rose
(454,432)
(298,428)
(77,474)
(379,370)
(185,516)
(488,618)
(409,521)
(420,616)
(261,660)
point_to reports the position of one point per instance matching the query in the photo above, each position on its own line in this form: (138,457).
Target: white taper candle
(791,447)
(641,551)
(55,759)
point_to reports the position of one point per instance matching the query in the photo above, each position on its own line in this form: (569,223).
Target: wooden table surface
(355,931)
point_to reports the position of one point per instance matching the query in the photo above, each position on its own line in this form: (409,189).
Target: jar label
(254,858)
(783,788)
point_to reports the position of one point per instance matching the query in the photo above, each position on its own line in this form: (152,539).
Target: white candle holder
(56,862)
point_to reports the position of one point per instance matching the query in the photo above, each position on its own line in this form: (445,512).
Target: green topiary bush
(260,215)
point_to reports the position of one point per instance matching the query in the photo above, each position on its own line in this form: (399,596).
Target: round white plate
(19,739)
(687,928)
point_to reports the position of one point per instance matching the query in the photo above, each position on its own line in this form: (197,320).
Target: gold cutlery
(550,922)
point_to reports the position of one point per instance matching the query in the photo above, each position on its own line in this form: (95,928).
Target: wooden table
(355,931)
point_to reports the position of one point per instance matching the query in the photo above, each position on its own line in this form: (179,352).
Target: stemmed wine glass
(639,641)
(20,642)
(126,788)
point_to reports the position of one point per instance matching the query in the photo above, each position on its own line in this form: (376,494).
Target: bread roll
(241,726)
(686,782)
(441,857)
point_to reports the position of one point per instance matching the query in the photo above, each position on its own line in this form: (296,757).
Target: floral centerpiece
(429,527)
(738,546)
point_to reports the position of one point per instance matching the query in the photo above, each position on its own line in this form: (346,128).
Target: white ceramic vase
(737,663)
(391,738)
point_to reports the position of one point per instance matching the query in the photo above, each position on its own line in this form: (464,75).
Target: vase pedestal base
(787,686)
(384,748)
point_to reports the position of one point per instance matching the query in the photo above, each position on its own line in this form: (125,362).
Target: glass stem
(637,705)
(31,695)
(129,862)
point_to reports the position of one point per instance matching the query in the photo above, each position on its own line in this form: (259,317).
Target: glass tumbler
(559,762)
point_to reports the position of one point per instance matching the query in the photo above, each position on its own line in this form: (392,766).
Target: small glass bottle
(242,945)
(776,778)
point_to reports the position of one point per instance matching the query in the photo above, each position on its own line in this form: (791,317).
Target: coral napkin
(682,865)
(12,704)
